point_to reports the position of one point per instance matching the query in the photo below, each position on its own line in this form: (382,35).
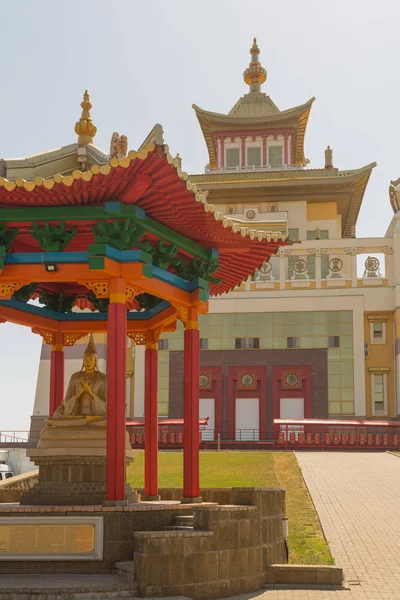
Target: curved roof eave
(209,120)
(155,168)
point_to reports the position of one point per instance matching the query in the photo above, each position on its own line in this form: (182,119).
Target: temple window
(240,343)
(275,156)
(231,210)
(203,343)
(313,235)
(249,343)
(333,341)
(253,343)
(379,393)
(254,156)
(163,344)
(272,208)
(377,332)
(292,342)
(293,234)
(232,157)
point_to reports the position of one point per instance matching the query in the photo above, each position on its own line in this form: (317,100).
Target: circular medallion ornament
(300,266)
(335,265)
(291,379)
(372,263)
(266,268)
(246,380)
(251,214)
(204,381)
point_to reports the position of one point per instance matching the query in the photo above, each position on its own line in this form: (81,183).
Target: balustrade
(319,264)
(253,169)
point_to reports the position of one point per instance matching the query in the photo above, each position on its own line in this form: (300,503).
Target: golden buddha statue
(86,398)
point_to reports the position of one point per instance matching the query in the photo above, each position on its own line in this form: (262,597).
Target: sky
(148,62)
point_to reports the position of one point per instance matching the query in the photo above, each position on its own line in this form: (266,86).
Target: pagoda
(256,154)
(122,244)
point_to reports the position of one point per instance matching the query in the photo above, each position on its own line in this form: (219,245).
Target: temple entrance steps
(67,586)
(181,523)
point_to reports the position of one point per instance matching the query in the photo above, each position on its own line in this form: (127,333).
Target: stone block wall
(226,554)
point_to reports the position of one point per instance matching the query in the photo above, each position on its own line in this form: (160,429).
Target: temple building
(315,331)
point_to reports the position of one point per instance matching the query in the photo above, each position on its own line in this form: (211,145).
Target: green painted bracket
(109,210)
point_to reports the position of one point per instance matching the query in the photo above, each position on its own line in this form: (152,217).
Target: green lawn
(307,544)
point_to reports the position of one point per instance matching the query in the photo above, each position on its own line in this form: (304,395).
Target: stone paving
(357,497)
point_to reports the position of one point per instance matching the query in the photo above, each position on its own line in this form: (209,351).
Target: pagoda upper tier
(255,134)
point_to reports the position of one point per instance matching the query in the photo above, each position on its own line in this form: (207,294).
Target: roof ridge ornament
(255,75)
(85,128)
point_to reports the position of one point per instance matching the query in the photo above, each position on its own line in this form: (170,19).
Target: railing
(253,169)
(285,434)
(315,433)
(14,437)
(331,263)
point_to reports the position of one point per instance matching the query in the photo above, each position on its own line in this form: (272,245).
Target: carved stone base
(72,480)
(72,467)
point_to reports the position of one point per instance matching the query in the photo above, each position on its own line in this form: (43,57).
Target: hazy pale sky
(148,62)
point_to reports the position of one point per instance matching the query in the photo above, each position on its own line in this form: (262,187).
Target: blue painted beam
(179,282)
(79,317)
(39,258)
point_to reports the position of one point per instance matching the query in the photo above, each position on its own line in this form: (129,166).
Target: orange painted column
(116,392)
(56,373)
(151,418)
(191,437)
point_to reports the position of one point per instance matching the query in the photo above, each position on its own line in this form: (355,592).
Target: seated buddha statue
(86,397)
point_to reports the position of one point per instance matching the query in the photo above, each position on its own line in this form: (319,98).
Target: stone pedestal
(72,468)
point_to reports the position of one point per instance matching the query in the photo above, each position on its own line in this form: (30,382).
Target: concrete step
(183,520)
(125,569)
(65,586)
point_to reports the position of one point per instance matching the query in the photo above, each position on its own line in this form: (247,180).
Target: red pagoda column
(191,438)
(116,392)
(151,418)
(56,373)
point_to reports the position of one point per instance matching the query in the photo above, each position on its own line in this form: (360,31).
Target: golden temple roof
(255,113)
(346,187)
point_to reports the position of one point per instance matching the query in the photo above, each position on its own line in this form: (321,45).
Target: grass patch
(307,544)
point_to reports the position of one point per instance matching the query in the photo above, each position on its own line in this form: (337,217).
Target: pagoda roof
(254,112)
(347,188)
(46,164)
(153,180)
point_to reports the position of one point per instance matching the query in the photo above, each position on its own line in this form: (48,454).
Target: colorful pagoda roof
(253,112)
(153,181)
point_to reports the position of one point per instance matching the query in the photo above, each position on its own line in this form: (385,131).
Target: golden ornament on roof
(85,128)
(255,74)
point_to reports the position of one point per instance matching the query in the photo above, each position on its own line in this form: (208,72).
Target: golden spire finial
(255,74)
(85,128)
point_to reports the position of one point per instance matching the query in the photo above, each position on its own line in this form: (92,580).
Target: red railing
(287,434)
(337,434)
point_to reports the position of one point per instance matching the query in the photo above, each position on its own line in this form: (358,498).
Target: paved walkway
(357,497)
